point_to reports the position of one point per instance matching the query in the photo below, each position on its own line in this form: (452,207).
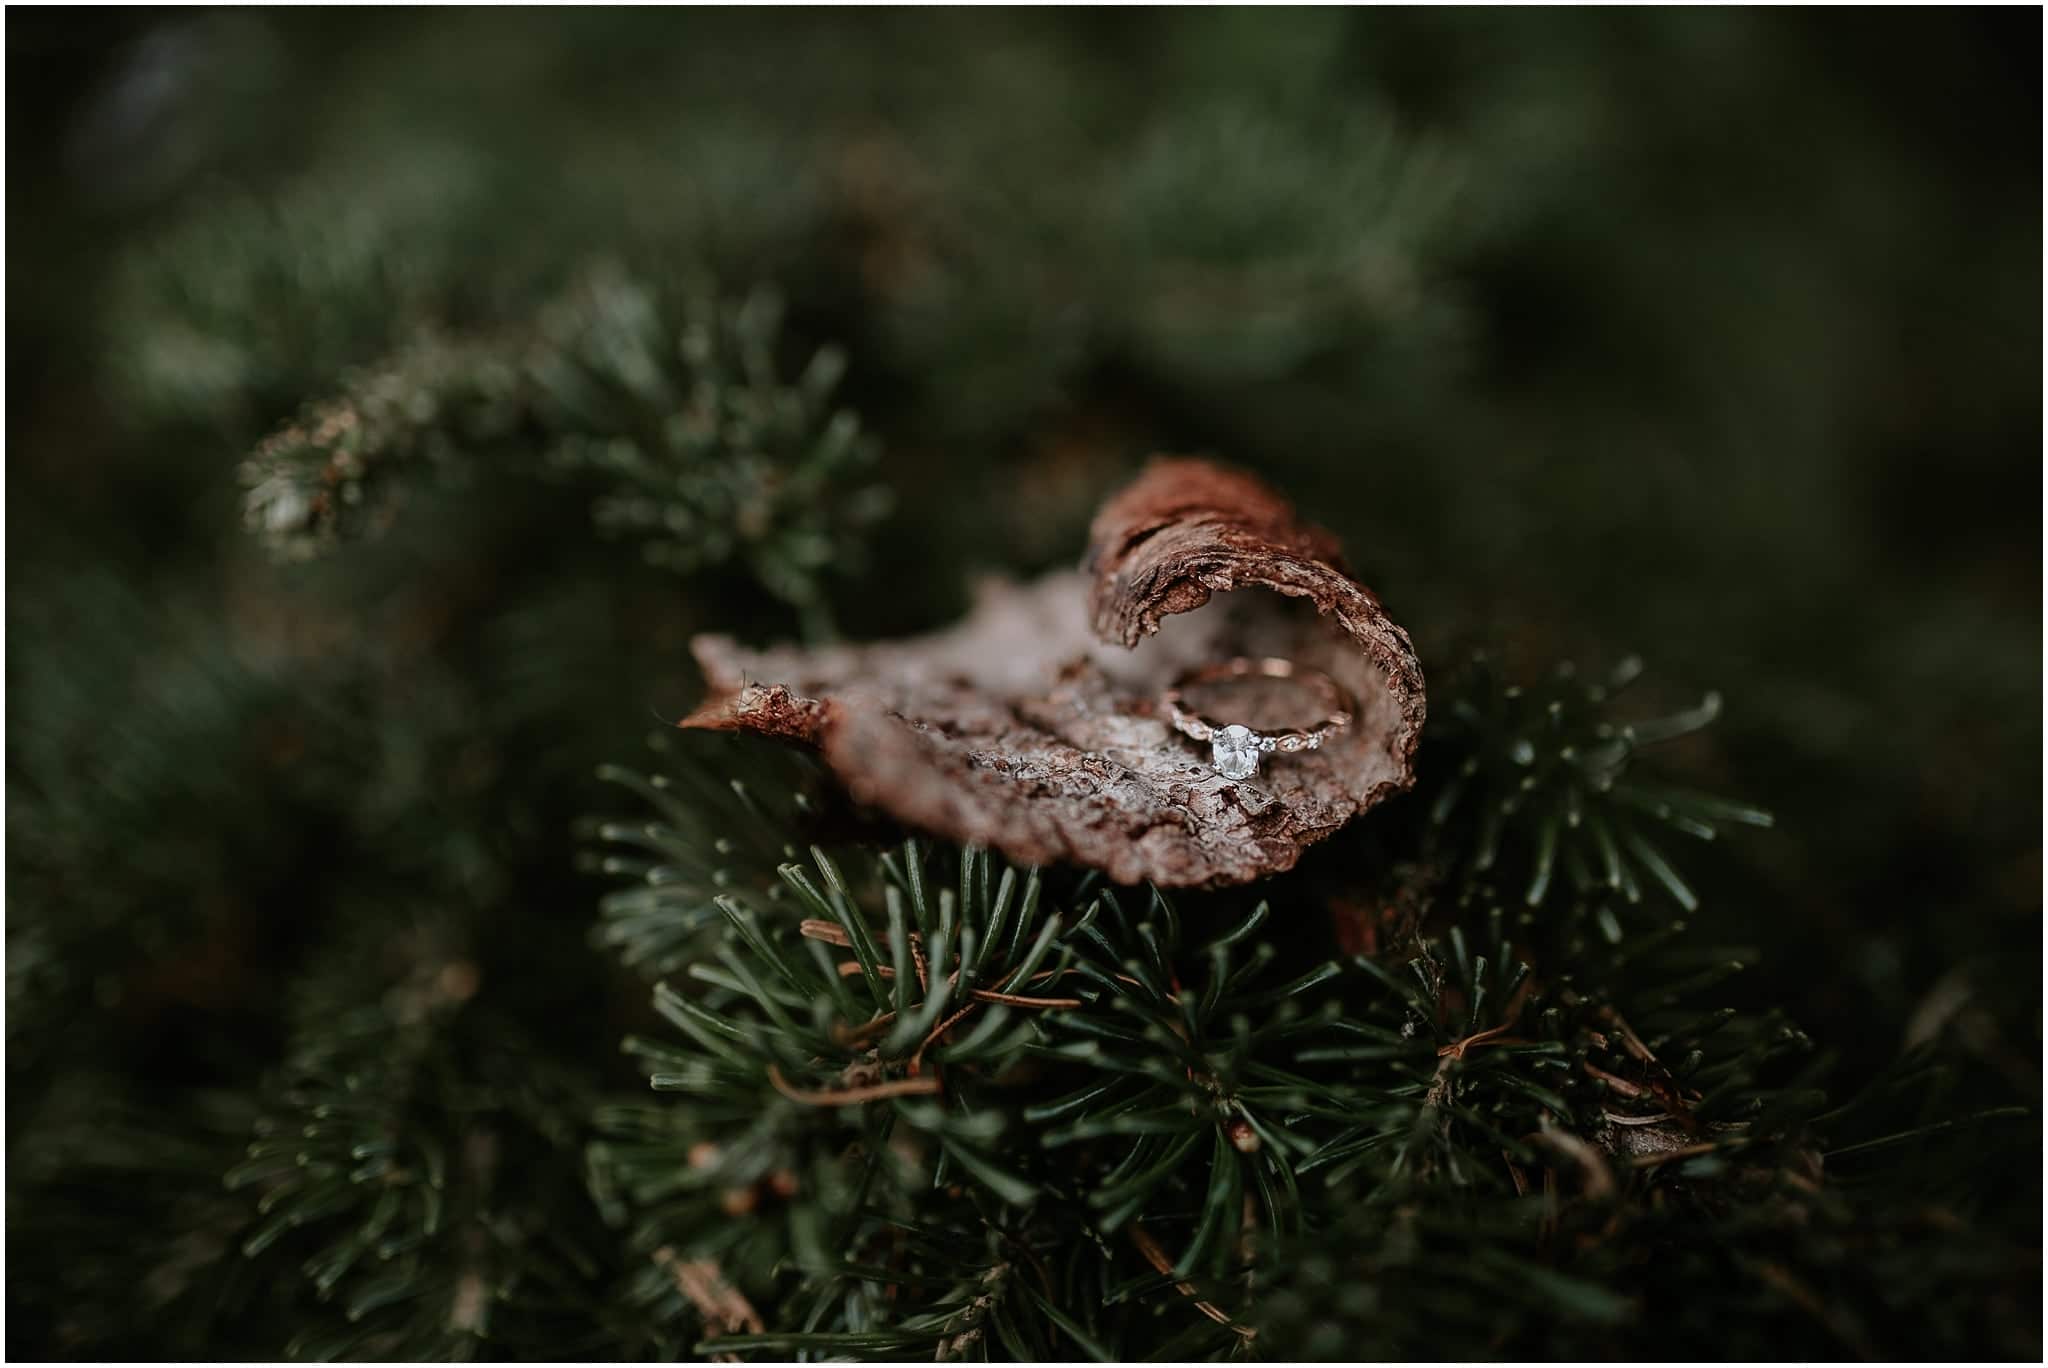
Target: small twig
(1156,1256)
(1629,1039)
(1431,1115)
(1619,1084)
(1661,1083)
(1011,999)
(847,1097)
(979,996)
(854,1035)
(1495,1034)
(850,969)
(1492,1035)
(724,1307)
(917,1056)
(818,929)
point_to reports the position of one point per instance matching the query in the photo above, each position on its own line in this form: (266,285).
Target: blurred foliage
(1708,334)
(666,400)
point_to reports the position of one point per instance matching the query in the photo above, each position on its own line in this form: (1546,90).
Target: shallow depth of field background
(1712,336)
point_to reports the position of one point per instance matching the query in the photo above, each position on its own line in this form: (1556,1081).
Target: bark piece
(1034,726)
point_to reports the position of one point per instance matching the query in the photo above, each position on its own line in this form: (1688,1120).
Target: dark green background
(1708,335)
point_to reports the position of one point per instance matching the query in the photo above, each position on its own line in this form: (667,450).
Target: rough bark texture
(1034,725)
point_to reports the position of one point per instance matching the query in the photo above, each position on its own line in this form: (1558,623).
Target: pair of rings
(1235,750)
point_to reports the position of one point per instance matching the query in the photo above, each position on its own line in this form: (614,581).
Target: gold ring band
(1237,748)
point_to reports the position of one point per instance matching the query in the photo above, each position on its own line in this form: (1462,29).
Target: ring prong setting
(1236,749)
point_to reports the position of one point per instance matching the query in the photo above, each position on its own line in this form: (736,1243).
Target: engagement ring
(1235,749)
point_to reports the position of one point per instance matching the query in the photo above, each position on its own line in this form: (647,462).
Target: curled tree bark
(1034,725)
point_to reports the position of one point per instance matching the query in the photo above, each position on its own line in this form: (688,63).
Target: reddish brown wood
(1033,725)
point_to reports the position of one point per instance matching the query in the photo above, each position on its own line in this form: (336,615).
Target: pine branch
(727,819)
(416,1195)
(1197,1104)
(1209,1128)
(1540,774)
(668,405)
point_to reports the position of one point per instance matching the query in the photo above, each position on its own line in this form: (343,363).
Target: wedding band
(1235,749)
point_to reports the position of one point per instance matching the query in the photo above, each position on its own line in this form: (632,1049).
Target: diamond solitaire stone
(1235,751)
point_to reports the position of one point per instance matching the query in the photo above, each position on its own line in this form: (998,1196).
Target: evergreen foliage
(1171,1144)
(396,399)
(668,401)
